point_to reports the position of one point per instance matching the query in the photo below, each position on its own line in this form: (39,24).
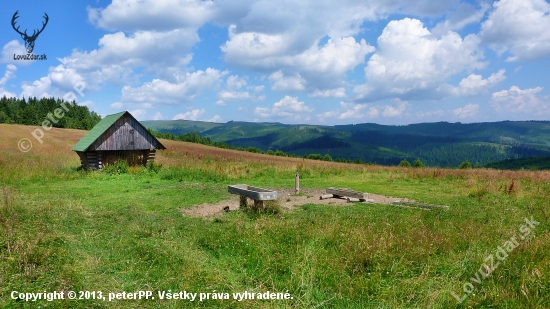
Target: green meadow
(122,230)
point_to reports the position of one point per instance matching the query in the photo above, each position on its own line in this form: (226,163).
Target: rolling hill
(436,144)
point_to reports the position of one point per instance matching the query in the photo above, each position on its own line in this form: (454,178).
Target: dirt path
(287,200)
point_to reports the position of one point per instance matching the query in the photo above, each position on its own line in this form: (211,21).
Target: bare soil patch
(287,199)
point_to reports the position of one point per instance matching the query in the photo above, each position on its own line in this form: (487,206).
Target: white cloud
(131,15)
(520,27)
(235,82)
(350,111)
(225,95)
(329,93)
(139,114)
(373,112)
(216,118)
(295,56)
(391,111)
(10,73)
(160,53)
(183,90)
(288,108)
(353,113)
(38,88)
(475,84)
(412,63)
(287,83)
(516,102)
(190,115)
(14,48)
(468,111)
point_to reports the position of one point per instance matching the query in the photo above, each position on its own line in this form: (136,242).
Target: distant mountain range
(435,144)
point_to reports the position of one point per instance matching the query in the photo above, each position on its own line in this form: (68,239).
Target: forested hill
(537,163)
(435,144)
(33,111)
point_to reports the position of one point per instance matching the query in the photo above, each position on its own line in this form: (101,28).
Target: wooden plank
(324,197)
(254,193)
(347,193)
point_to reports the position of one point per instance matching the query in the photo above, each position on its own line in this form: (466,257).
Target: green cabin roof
(99,129)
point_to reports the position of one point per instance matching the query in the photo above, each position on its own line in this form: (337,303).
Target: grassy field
(67,230)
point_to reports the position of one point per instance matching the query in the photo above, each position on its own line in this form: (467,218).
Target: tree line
(33,111)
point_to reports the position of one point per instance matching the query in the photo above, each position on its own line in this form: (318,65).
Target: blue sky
(315,62)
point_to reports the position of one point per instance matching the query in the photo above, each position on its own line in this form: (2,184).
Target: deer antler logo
(29,40)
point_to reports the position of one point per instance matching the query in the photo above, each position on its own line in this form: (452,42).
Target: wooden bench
(259,195)
(350,195)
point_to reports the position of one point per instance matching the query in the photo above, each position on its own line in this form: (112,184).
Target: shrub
(153,167)
(119,167)
(404,163)
(464,165)
(418,163)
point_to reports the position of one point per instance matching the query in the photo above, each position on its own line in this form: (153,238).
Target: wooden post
(243,202)
(297,183)
(258,205)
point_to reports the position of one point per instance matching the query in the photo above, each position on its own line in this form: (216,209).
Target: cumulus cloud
(516,102)
(39,88)
(163,54)
(474,84)
(353,113)
(412,63)
(365,111)
(304,66)
(520,27)
(235,82)
(216,118)
(183,90)
(287,83)
(329,93)
(395,111)
(14,48)
(190,115)
(288,108)
(233,85)
(468,111)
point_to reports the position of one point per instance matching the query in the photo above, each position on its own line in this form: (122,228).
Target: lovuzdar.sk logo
(29,39)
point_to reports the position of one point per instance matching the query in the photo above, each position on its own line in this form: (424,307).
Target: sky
(291,61)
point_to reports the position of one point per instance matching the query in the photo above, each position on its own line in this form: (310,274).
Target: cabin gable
(125,134)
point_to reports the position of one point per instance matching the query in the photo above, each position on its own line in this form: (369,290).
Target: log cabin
(115,137)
